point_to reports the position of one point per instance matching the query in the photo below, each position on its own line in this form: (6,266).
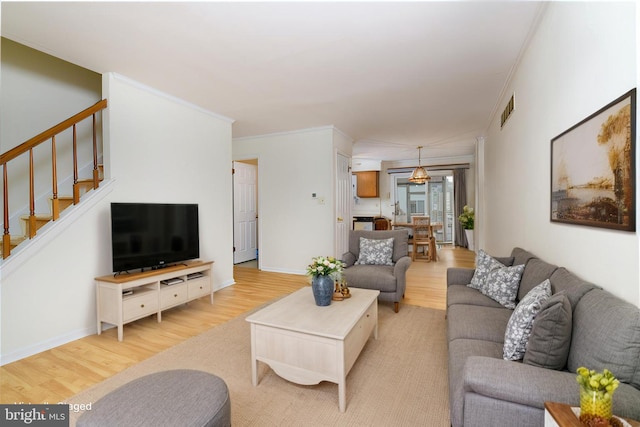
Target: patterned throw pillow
(484,264)
(375,251)
(519,327)
(502,285)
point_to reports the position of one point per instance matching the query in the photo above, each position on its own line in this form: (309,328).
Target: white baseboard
(46,345)
(283,270)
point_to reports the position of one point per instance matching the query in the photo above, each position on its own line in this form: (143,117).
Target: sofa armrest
(349,259)
(400,272)
(459,276)
(526,385)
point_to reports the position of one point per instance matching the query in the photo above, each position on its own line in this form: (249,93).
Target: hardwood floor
(57,374)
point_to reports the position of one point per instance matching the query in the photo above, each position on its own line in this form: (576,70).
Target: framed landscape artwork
(593,169)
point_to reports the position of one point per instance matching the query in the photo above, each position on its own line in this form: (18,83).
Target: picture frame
(593,169)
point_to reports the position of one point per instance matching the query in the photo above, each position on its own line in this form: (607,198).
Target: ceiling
(390,75)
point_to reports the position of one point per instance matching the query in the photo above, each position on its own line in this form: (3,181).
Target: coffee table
(305,344)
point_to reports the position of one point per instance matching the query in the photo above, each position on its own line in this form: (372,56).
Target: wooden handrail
(48,134)
(28,146)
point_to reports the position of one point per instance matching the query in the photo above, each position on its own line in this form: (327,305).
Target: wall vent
(506,113)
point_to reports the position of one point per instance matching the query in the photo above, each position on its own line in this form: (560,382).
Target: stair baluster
(6,237)
(31,232)
(76,188)
(55,209)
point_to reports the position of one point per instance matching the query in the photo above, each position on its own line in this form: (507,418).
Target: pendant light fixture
(419,175)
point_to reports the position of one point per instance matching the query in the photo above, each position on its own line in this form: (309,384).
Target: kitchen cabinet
(367,183)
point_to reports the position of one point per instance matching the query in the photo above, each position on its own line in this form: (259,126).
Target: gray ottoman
(180,397)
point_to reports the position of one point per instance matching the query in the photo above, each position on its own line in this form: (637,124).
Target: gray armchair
(390,280)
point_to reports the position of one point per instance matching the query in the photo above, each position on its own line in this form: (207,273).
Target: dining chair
(421,236)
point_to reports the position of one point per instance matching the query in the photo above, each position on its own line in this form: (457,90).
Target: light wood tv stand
(150,294)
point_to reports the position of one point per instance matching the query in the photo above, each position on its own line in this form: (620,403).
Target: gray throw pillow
(484,264)
(375,251)
(519,327)
(550,338)
(502,285)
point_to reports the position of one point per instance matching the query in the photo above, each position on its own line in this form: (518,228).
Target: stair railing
(28,146)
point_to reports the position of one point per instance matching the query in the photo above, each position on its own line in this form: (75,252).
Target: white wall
(293,226)
(165,150)
(582,57)
(157,149)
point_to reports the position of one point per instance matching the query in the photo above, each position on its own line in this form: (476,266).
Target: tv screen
(153,235)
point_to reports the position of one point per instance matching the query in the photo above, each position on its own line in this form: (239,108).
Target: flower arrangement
(467,218)
(596,395)
(325,266)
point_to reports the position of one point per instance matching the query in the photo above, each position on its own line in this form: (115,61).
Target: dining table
(433,254)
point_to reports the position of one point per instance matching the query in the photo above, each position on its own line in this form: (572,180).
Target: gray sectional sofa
(579,325)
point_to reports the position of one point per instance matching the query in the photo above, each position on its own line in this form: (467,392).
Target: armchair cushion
(380,278)
(400,243)
(375,251)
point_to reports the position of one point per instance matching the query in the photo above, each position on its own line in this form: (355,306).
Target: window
(435,199)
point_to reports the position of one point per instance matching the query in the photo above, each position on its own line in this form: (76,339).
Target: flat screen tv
(153,235)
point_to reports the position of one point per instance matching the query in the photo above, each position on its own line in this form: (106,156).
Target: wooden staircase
(31,223)
(43,219)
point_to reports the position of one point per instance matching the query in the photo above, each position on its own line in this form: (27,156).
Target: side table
(560,415)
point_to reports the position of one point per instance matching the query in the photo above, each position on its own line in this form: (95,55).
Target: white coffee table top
(299,312)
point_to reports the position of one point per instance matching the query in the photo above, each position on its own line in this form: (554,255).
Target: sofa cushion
(606,334)
(375,251)
(521,256)
(507,261)
(484,264)
(462,294)
(574,287)
(518,329)
(535,273)
(550,337)
(377,277)
(502,285)
(477,322)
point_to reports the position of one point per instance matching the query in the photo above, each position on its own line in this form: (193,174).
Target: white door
(343,204)
(245,212)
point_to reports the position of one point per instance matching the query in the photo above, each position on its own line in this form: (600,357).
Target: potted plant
(467,220)
(324,270)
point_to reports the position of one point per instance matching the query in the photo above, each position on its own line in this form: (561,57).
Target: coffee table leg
(254,361)
(342,394)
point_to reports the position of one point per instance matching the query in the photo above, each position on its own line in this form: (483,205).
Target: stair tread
(39,216)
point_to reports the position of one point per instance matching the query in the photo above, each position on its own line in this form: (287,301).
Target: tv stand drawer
(199,288)
(136,307)
(173,295)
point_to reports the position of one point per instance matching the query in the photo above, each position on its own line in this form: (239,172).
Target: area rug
(400,379)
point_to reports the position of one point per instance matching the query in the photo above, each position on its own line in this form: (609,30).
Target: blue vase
(322,287)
